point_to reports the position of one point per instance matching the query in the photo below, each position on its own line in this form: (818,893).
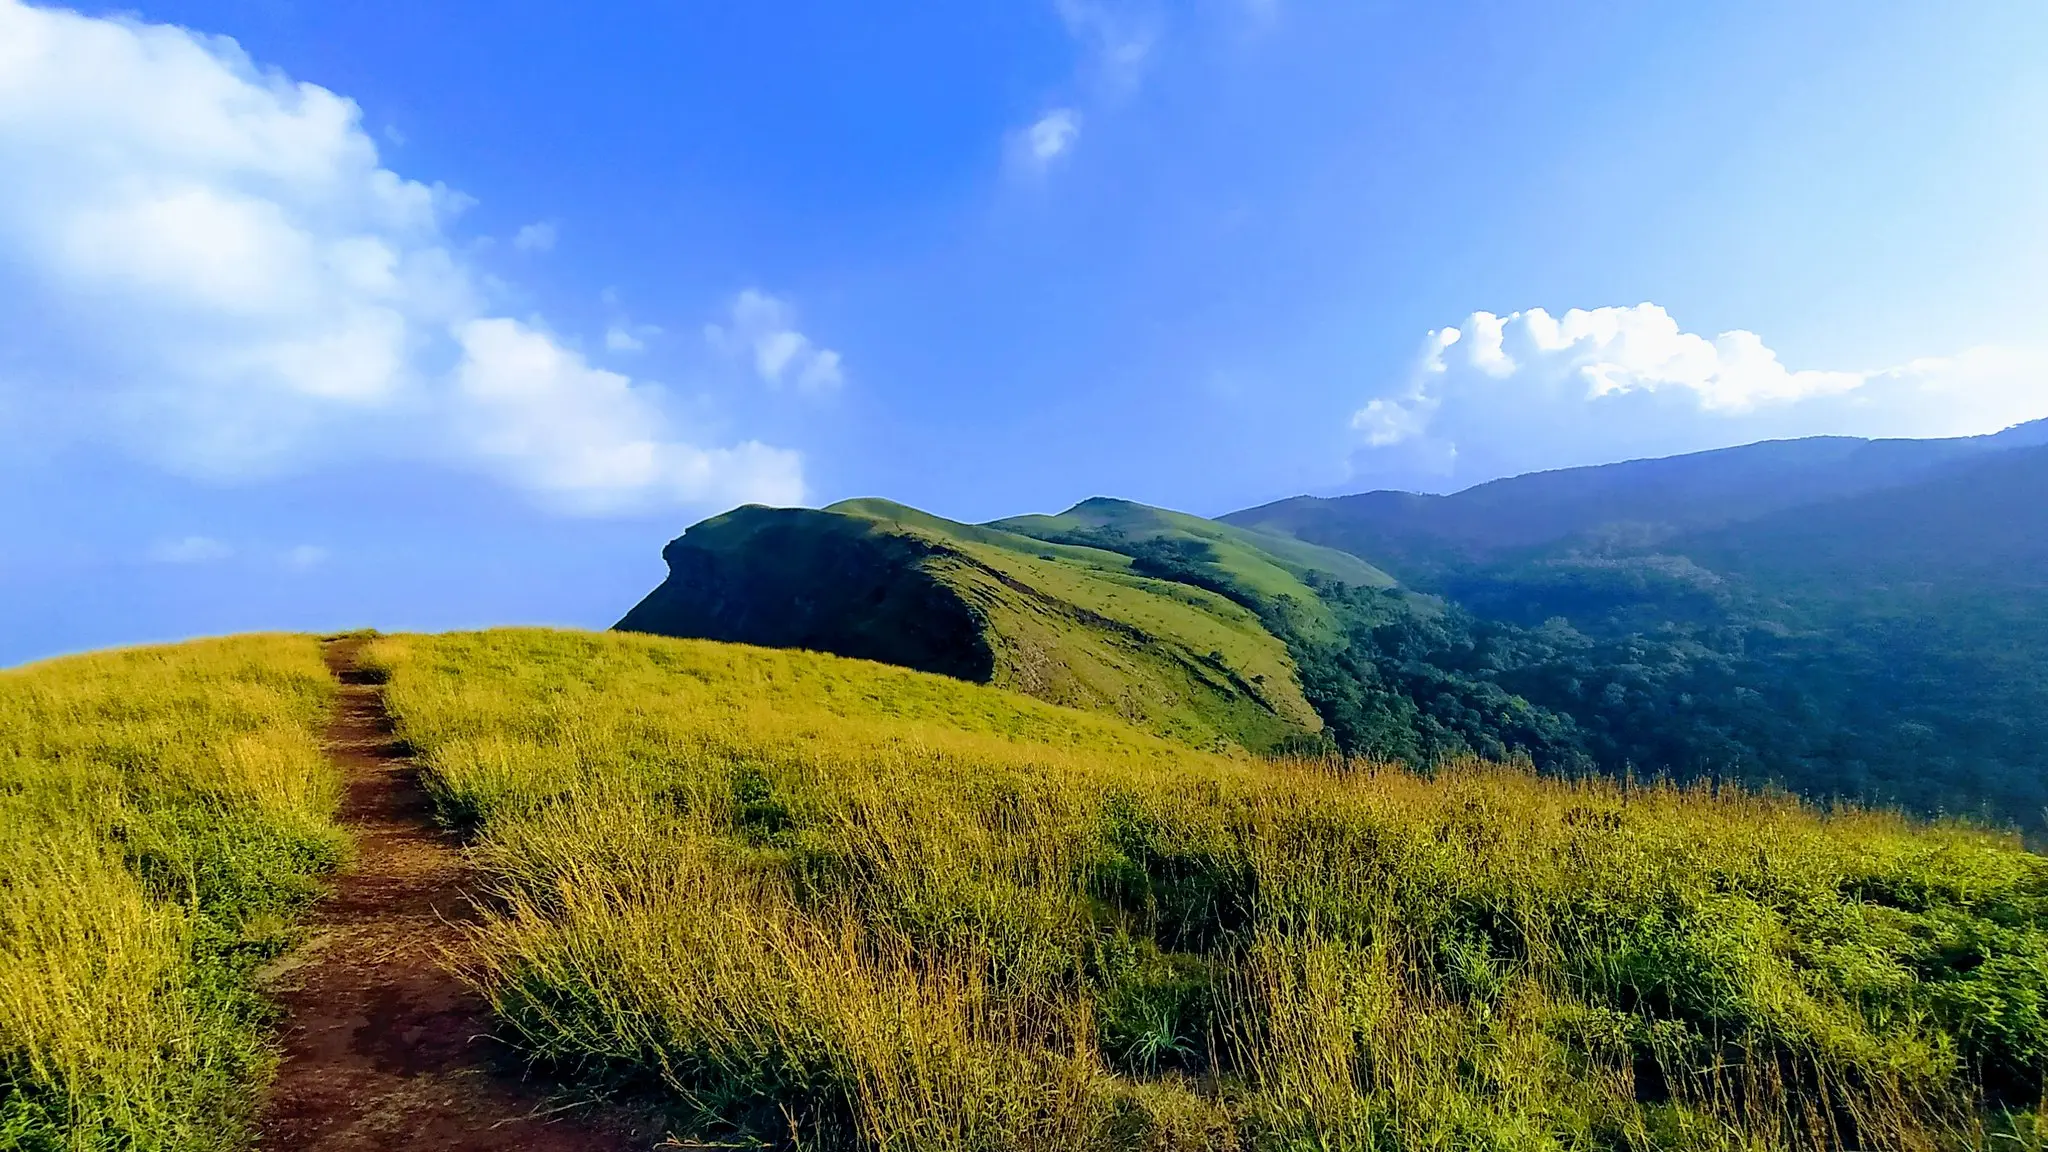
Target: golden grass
(162,811)
(826,902)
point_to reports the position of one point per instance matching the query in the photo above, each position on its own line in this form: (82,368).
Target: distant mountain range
(1642,500)
(1845,617)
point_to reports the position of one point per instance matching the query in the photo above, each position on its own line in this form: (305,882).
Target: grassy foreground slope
(163,811)
(1072,625)
(829,903)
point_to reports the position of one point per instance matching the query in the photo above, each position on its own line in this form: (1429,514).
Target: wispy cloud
(1033,150)
(190,550)
(1498,395)
(1052,134)
(539,237)
(1115,41)
(625,336)
(234,284)
(762,329)
(304,557)
(1116,38)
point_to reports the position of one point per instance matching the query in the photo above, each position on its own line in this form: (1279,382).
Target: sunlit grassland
(826,903)
(163,811)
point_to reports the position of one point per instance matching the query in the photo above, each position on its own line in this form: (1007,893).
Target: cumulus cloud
(538,237)
(1499,395)
(190,550)
(207,263)
(762,330)
(544,417)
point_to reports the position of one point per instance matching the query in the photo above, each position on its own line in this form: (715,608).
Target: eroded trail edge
(384,1047)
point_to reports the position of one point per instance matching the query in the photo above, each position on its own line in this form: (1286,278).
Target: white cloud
(222,277)
(538,237)
(304,557)
(762,329)
(190,550)
(623,336)
(1052,134)
(1500,395)
(1115,40)
(1032,150)
(577,433)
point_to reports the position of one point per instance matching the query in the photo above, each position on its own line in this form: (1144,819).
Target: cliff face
(796,578)
(1070,625)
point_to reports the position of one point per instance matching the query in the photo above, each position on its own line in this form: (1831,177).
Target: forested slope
(1857,618)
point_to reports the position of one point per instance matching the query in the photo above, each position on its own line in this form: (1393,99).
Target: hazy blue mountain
(1638,501)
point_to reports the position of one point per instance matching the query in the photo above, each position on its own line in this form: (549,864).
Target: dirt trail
(384,1047)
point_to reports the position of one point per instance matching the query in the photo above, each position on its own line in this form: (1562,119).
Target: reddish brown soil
(384,1046)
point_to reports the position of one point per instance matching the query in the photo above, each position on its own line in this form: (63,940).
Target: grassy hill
(791,899)
(798,898)
(163,813)
(1072,625)
(1259,568)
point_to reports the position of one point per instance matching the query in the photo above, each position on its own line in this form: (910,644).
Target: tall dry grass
(830,904)
(163,811)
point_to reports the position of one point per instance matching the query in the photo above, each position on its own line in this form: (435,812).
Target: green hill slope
(1269,572)
(1072,625)
(796,899)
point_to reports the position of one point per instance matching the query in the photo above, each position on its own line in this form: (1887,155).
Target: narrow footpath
(384,1047)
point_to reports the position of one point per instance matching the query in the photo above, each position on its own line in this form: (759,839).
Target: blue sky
(450,314)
